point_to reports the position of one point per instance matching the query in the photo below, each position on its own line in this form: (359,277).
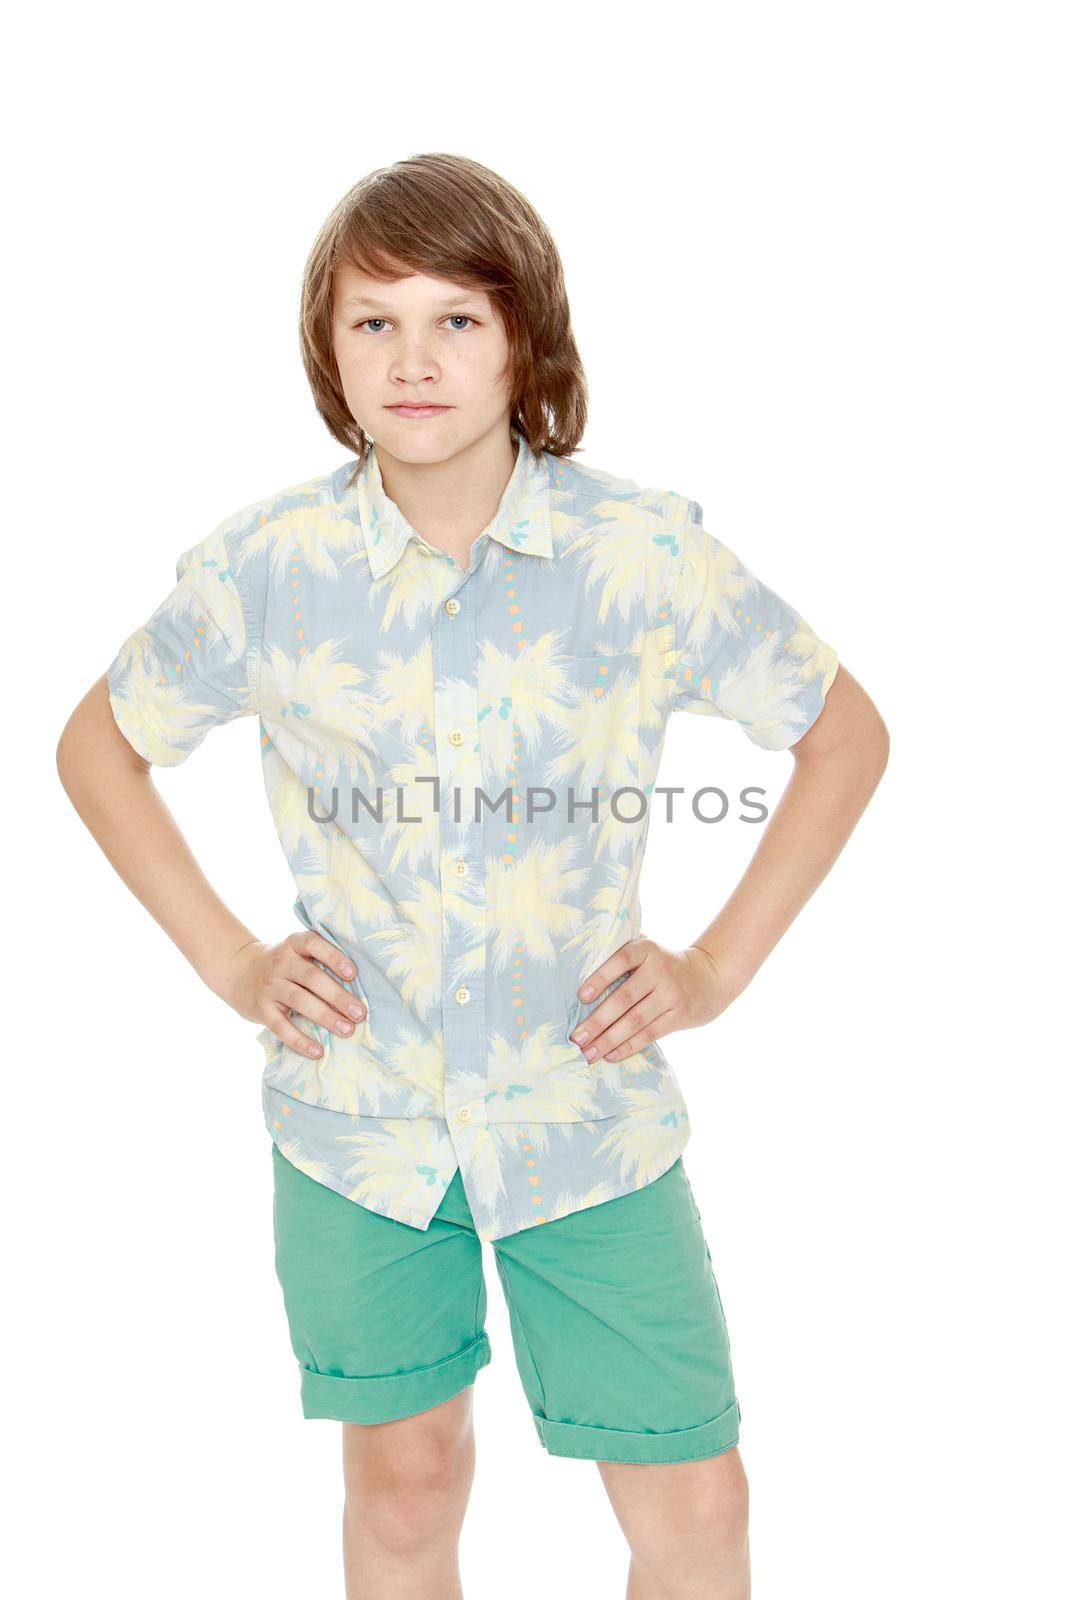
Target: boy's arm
(111,788)
(839,763)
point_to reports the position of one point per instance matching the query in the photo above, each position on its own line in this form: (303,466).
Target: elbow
(64,758)
(881,743)
(875,738)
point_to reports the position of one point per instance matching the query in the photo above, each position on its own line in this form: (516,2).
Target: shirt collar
(522,521)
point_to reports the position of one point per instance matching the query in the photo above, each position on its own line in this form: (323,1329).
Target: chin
(422,442)
(416,451)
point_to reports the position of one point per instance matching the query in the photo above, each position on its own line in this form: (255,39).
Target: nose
(413,365)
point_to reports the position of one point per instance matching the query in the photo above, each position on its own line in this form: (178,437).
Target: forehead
(417,290)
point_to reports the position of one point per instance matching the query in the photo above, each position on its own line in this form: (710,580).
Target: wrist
(729,974)
(216,967)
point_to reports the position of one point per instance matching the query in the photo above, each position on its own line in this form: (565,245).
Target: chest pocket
(604,672)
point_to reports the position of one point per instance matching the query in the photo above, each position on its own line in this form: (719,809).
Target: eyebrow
(378,305)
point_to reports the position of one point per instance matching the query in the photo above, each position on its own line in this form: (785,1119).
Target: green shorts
(615,1315)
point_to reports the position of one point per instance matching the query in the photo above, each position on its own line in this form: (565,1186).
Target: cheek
(360,367)
(482,366)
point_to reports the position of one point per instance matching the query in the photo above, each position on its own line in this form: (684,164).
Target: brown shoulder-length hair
(450,217)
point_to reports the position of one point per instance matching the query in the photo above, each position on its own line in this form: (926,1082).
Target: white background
(816,262)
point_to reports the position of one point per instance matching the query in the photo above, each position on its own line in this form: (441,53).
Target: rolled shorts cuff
(612,1444)
(395,1394)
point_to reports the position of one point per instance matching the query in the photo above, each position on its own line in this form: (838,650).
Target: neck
(451,502)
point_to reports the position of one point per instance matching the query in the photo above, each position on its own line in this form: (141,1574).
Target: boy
(463,647)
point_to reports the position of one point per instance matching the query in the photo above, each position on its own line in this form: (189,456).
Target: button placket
(455,657)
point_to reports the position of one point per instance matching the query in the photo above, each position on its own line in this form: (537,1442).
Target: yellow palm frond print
(432,736)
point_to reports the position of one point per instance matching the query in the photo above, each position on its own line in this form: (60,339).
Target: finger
(625,959)
(610,1009)
(298,997)
(314,954)
(617,1039)
(647,1035)
(328,988)
(279,1024)
(319,949)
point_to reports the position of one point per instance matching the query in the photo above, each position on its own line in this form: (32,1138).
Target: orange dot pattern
(527,1149)
(200,628)
(512,768)
(707,685)
(516,990)
(294,587)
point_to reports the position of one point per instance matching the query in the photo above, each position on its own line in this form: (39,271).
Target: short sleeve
(744,652)
(190,666)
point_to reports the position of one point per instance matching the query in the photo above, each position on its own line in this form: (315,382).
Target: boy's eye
(458,316)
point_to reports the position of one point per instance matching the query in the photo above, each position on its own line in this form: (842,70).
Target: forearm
(115,796)
(826,795)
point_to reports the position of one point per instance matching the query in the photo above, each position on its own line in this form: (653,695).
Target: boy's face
(420,340)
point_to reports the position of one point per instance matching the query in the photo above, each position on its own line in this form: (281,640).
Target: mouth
(417,411)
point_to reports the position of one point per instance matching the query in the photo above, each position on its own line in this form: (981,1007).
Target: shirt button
(462,868)
(455,737)
(463,994)
(451,606)
(464,1113)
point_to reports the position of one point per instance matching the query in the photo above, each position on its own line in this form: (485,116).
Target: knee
(701,1527)
(720,1509)
(717,1511)
(408,1500)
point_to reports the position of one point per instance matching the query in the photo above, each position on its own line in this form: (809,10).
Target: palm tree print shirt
(440,749)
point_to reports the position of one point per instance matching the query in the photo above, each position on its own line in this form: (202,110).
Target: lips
(418,410)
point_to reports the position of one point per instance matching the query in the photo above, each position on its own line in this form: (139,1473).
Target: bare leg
(407,1485)
(686,1523)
